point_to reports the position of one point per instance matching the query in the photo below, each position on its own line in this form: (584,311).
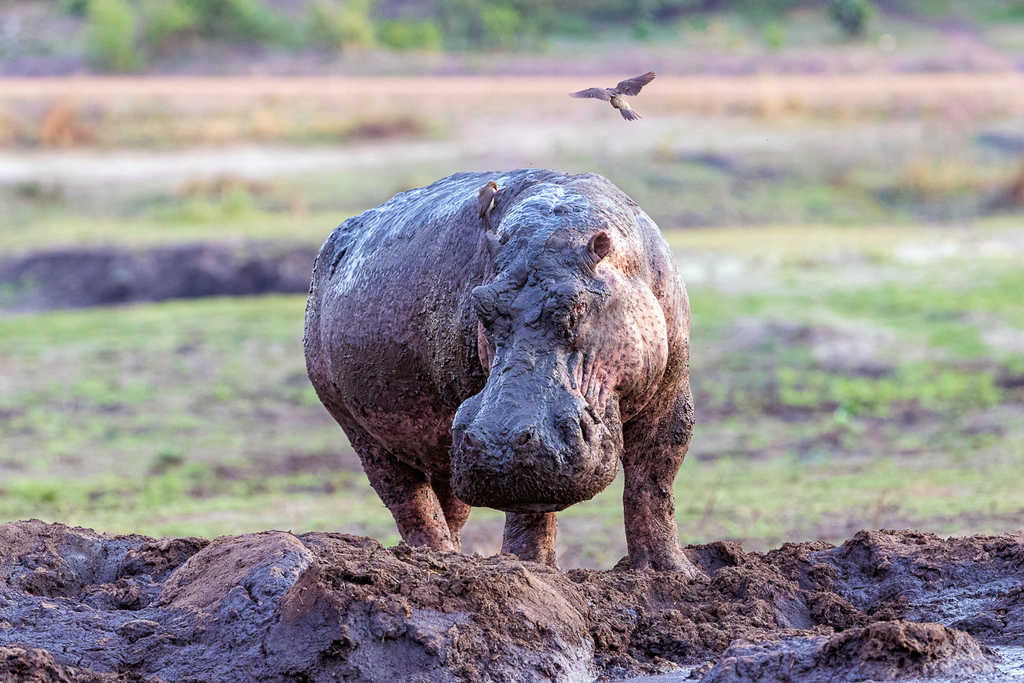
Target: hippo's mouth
(510,484)
(530,442)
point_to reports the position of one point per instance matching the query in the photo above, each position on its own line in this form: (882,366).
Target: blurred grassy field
(99,160)
(858,333)
(111,112)
(825,404)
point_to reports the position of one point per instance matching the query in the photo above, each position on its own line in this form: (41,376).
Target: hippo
(512,366)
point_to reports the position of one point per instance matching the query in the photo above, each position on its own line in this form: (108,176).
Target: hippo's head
(573,341)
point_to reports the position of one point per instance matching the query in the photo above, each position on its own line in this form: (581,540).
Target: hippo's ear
(599,246)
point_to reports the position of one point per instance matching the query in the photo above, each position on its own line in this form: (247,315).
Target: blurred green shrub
(410,35)
(501,23)
(1014,10)
(852,16)
(774,35)
(110,44)
(338,26)
(570,25)
(643,29)
(166,23)
(479,24)
(76,7)
(246,21)
(115,40)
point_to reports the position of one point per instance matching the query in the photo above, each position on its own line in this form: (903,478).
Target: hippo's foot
(652,540)
(531,537)
(671,560)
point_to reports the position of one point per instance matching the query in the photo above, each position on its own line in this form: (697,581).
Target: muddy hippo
(512,368)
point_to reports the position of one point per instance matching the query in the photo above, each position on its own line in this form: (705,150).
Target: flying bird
(485,202)
(617,95)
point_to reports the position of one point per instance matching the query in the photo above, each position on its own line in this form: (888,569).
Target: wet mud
(76,605)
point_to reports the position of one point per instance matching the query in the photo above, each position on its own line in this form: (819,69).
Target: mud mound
(883,651)
(275,606)
(104,276)
(33,664)
(975,584)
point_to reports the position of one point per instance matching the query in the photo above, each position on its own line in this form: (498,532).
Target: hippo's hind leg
(655,444)
(530,536)
(405,491)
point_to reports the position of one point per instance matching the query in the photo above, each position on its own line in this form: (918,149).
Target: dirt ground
(76,605)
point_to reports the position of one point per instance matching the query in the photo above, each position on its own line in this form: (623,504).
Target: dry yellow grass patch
(142,111)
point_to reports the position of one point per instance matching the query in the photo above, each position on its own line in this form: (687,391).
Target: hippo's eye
(571,318)
(577,313)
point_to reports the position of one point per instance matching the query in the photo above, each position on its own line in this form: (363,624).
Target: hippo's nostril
(524,437)
(586,429)
(471,441)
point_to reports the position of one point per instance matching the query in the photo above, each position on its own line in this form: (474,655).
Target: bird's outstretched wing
(593,93)
(632,86)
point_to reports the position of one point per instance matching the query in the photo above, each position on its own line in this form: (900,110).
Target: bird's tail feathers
(629,114)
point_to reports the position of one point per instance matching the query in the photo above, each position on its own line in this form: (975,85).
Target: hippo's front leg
(455,511)
(530,536)
(426,512)
(653,452)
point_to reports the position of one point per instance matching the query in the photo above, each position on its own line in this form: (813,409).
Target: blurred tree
(110,40)
(851,15)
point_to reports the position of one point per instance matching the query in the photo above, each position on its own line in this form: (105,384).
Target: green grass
(761,502)
(935,307)
(194,499)
(199,223)
(111,389)
(59,227)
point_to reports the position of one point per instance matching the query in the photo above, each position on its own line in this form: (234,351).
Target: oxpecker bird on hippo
(513,367)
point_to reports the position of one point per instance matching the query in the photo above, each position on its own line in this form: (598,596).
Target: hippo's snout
(514,460)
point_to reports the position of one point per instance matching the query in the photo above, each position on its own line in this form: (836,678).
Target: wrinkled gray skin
(512,369)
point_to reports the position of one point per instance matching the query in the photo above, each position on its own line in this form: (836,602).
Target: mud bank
(76,278)
(76,605)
